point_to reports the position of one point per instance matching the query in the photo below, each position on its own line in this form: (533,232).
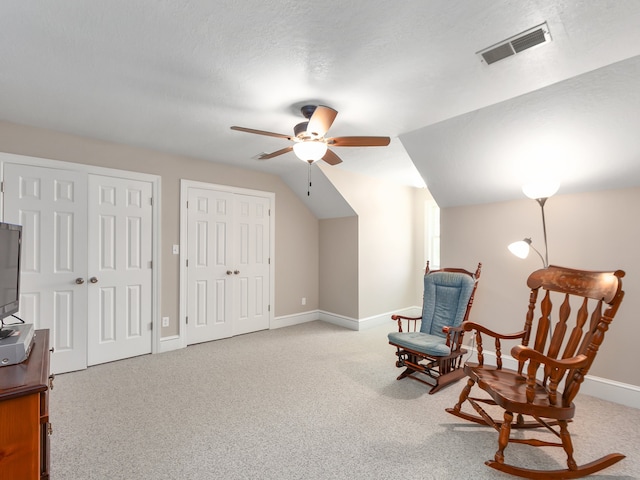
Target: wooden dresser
(24,414)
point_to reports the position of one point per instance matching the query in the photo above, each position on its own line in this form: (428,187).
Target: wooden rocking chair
(435,351)
(535,389)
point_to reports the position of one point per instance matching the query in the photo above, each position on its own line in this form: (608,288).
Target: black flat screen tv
(10,249)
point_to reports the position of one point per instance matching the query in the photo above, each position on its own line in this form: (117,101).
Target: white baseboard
(340,320)
(603,388)
(385,318)
(368,322)
(618,392)
(168,344)
(295,319)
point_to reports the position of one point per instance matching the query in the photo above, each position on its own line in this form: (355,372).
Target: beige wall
(297,229)
(390,244)
(339,266)
(597,231)
(422,200)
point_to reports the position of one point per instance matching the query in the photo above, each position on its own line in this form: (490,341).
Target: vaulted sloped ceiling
(581,132)
(174,75)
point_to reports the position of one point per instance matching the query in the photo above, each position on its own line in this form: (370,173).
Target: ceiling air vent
(523,41)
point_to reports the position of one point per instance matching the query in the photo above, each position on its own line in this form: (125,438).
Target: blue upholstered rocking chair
(434,351)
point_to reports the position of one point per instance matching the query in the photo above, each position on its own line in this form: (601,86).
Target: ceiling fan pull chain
(309,179)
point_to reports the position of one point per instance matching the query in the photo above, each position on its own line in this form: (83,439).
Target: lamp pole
(542,201)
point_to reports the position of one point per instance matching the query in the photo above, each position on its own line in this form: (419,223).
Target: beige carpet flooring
(312,401)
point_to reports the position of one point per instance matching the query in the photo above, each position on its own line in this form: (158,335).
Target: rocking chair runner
(535,389)
(436,349)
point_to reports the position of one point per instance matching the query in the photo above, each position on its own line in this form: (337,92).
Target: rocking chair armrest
(402,317)
(448,329)
(522,353)
(454,337)
(468,326)
(399,319)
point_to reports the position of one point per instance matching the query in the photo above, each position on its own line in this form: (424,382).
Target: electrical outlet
(165,321)
(304,300)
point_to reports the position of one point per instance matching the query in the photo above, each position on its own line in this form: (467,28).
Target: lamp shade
(310,150)
(520,249)
(540,189)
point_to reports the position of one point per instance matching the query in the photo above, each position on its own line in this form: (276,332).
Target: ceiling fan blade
(331,158)
(359,141)
(321,120)
(261,132)
(266,156)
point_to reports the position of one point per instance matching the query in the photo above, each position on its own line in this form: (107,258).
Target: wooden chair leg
(567,444)
(503,438)
(464,394)
(447,379)
(405,374)
(573,470)
(482,417)
(440,372)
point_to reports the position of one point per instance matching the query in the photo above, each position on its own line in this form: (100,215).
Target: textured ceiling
(581,133)
(173,75)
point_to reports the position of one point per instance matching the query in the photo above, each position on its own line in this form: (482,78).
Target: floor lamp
(539,192)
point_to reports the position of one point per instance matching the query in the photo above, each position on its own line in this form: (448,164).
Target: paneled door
(209,265)
(228,265)
(86,268)
(119,288)
(251,273)
(51,206)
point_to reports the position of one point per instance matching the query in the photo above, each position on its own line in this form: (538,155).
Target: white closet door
(119,271)
(251,283)
(51,205)
(209,269)
(228,267)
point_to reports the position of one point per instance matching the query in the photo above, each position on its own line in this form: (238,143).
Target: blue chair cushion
(446,295)
(421,342)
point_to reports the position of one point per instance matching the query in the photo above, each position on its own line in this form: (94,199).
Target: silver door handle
(93,280)
(79,280)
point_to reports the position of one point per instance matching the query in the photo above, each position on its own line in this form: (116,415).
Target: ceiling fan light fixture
(310,150)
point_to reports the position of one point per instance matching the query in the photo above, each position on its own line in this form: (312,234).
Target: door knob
(93,280)
(236,271)
(79,280)
(229,272)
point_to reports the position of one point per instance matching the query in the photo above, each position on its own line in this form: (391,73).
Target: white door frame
(184,188)
(155,181)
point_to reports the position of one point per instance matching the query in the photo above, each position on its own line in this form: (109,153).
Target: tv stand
(24,414)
